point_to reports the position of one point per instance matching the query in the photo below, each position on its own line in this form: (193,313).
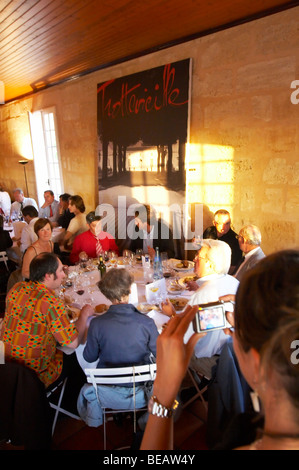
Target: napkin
(159,318)
(133,298)
(160,293)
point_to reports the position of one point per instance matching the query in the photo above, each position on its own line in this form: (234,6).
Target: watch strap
(157,409)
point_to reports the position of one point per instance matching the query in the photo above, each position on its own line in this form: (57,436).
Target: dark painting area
(143,124)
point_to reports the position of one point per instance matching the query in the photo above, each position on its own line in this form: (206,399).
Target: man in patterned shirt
(36,320)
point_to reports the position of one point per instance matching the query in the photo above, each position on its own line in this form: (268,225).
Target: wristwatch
(155,408)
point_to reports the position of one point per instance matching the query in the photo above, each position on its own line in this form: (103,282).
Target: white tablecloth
(57,234)
(92,295)
(9,228)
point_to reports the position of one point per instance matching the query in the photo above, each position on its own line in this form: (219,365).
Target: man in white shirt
(212,264)
(250,239)
(20,201)
(5,202)
(28,235)
(151,233)
(50,208)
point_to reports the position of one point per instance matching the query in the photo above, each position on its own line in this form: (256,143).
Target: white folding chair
(57,406)
(4,258)
(119,376)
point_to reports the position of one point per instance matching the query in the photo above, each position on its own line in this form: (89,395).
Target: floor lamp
(24,162)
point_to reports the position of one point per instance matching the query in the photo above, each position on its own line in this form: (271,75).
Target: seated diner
(36,321)
(120,337)
(43,244)
(94,242)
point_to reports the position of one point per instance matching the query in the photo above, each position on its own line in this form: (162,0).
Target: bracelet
(155,408)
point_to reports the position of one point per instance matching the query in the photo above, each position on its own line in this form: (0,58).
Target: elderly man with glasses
(250,239)
(211,266)
(221,230)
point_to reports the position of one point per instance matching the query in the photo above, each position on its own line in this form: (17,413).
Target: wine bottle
(101,267)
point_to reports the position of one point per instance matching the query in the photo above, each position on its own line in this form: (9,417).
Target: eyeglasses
(199,257)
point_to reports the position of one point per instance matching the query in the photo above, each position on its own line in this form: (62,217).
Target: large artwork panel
(143,122)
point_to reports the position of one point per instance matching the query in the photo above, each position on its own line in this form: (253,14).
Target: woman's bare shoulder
(30,250)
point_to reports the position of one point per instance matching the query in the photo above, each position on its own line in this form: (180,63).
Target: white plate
(146,308)
(174,287)
(174,291)
(179,303)
(177,266)
(184,279)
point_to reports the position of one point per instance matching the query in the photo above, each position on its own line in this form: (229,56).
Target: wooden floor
(71,434)
(189,433)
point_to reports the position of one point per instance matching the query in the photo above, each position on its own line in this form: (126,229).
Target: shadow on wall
(207,221)
(118,212)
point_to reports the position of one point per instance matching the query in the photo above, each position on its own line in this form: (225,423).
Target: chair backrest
(15,276)
(4,258)
(121,375)
(25,416)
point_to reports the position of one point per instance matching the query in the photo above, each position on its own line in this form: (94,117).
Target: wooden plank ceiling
(43,42)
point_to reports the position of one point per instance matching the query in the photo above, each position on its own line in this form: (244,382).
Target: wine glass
(126,256)
(83,259)
(155,294)
(139,253)
(112,257)
(164,258)
(67,281)
(90,295)
(132,260)
(161,297)
(14,216)
(79,287)
(61,293)
(79,290)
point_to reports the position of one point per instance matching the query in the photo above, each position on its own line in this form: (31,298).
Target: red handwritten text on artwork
(134,101)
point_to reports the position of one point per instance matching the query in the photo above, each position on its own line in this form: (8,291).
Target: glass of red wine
(79,288)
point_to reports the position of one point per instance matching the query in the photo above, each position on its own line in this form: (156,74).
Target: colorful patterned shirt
(35,321)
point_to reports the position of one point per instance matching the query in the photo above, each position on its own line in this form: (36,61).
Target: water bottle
(158,271)
(147,269)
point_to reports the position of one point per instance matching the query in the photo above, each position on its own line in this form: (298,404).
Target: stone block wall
(244,129)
